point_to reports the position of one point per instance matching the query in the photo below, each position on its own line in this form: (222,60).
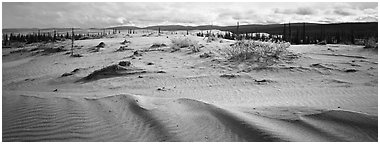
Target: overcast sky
(95,14)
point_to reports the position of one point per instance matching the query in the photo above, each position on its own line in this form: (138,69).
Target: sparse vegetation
(125,42)
(101,45)
(322,42)
(123,48)
(211,38)
(19,51)
(205,55)
(124,63)
(195,48)
(178,43)
(157,45)
(370,43)
(256,51)
(76,55)
(48,50)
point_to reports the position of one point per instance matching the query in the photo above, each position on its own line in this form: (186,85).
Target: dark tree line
(302,34)
(248,36)
(47,37)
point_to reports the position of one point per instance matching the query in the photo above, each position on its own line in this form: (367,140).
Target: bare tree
(72,42)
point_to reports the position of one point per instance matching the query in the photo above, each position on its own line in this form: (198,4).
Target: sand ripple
(139,118)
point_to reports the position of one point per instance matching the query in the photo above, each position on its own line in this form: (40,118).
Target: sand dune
(153,94)
(139,118)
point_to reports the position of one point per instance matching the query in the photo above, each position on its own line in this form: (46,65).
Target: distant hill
(124,28)
(278,28)
(295,33)
(271,28)
(368,28)
(310,27)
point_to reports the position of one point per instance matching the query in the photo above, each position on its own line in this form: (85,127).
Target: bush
(322,42)
(123,48)
(257,51)
(178,43)
(157,45)
(19,51)
(205,55)
(101,45)
(76,55)
(211,38)
(125,42)
(370,43)
(54,50)
(124,63)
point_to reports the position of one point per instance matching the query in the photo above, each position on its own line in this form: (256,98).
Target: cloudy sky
(96,14)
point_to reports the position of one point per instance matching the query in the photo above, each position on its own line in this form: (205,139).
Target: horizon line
(142,27)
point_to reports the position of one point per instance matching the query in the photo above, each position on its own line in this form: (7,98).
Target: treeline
(52,36)
(250,36)
(309,33)
(303,35)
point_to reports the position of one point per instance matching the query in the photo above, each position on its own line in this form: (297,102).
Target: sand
(328,93)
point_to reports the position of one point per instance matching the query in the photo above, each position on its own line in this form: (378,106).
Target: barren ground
(329,93)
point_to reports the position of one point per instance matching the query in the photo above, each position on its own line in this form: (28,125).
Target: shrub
(178,43)
(123,48)
(322,42)
(124,63)
(76,55)
(156,45)
(370,43)
(205,55)
(211,38)
(125,42)
(54,50)
(101,45)
(257,51)
(19,51)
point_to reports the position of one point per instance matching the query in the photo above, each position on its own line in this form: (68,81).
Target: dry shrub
(125,42)
(123,48)
(101,45)
(370,43)
(157,45)
(19,51)
(113,71)
(178,43)
(48,50)
(257,51)
(76,55)
(195,48)
(211,38)
(322,42)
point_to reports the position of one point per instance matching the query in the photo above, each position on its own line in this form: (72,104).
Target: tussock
(266,53)
(178,43)
(371,43)
(113,71)
(123,48)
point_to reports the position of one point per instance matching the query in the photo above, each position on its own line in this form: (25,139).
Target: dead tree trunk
(290,33)
(304,34)
(72,42)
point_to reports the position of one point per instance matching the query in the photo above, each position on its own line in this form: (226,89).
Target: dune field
(134,88)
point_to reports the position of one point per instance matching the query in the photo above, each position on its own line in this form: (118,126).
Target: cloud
(366,19)
(305,11)
(344,12)
(298,11)
(95,14)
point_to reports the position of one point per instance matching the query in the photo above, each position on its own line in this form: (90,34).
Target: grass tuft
(178,43)
(266,53)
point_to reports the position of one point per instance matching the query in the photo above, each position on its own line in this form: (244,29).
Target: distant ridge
(270,28)
(362,27)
